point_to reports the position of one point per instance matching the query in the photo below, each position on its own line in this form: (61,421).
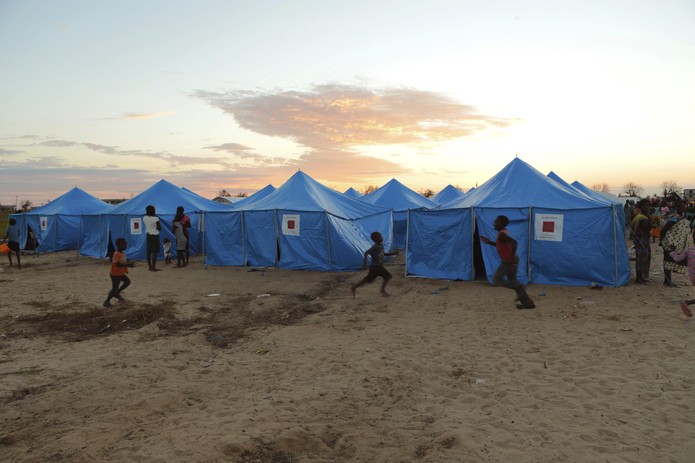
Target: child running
(690,254)
(376,268)
(505,275)
(118,272)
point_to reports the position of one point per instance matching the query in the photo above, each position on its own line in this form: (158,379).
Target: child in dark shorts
(376,268)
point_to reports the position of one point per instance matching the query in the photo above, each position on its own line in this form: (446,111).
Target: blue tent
(257,196)
(125,220)
(448,194)
(352,193)
(58,225)
(596,194)
(399,198)
(564,237)
(301,225)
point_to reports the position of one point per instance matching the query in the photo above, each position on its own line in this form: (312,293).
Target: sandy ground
(283,366)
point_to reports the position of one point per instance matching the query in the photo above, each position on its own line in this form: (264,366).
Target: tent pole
(101,236)
(277,241)
(79,237)
(407,235)
(528,256)
(243,238)
(473,245)
(328,239)
(201,226)
(615,247)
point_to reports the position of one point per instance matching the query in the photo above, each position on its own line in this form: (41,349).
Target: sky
(112,96)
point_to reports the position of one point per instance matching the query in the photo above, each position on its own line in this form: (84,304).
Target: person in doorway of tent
(689,254)
(12,240)
(181,242)
(640,233)
(166,245)
(505,275)
(118,272)
(152,228)
(674,236)
(376,267)
(186,223)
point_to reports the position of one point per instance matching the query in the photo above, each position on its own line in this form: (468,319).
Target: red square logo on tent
(548,227)
(136,225)
(290,224)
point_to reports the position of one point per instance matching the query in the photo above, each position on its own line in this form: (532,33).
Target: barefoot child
(118,272)
(505,275)
(690,254)
(167,250)
(376,268)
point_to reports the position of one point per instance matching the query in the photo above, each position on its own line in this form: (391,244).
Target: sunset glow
(236,95)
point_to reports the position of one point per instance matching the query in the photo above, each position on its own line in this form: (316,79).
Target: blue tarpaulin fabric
(448,194)
(260,194)
(564,236)
(399,198)
(58,225)
(165,197)
(352,193)
(301,225)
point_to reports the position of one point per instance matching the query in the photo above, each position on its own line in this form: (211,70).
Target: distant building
(689,194)
(7,207)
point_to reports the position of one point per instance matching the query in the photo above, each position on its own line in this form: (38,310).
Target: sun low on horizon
(112,97)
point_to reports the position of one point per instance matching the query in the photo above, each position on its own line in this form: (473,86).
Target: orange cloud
(333,116)
(147,115)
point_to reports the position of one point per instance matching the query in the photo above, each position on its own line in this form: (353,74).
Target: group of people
(120,264)
(674,234)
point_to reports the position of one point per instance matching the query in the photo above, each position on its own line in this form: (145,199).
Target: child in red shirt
(505,275)
(118,272)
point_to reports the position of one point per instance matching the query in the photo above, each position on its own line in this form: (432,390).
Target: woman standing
(641,228)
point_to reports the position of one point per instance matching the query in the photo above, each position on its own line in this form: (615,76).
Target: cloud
(57,143)
(138,116)
(234,148)
(333,116)
(6,152)
(114,150)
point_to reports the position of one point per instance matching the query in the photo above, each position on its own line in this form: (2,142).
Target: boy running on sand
(505,275)
(118,272)
(376,268)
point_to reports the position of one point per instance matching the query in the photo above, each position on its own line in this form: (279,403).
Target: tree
(223,193)
(427,193)
(369,189)
(633,189)
(601,188)
(670,187)
(241,195)
(26,206)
